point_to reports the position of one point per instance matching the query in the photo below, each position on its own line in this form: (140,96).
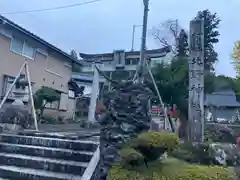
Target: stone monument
(19,91)
(16,116)
(196,81)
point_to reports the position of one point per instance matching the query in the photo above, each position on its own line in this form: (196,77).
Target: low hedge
(172,169)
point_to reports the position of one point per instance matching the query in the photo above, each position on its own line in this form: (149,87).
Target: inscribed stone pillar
(196,81)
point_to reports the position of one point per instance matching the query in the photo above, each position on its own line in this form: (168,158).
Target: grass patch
(171,169)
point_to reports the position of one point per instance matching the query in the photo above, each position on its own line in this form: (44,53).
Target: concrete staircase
(52,157)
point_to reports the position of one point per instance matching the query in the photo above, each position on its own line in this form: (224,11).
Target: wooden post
(12,85)
(31,96)
(196,81)
(166,120)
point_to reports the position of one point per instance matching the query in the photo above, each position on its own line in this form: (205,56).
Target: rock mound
(16,115)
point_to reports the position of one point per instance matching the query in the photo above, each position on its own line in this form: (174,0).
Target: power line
(53,8)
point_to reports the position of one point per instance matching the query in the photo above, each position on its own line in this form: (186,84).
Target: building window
(28,51)
(22,47)
(119,58)
(63,105)
(132,61)
(127,61)
(135,61)
(76,68)
(52,105)
(71,94)
(17,45)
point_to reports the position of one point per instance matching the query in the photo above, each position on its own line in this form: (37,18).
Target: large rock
(18,116)
(225,154)
(127,115)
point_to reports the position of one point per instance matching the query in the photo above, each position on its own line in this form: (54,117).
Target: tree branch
(167,34)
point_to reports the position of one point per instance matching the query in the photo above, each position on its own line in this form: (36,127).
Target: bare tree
(166,33)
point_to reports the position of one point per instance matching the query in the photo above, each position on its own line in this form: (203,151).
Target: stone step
(82,145)
(63,135)
(20,173)
(48,164)
(48,152)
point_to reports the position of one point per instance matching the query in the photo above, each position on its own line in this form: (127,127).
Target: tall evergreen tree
(211,34)
(182,44)
(73,53)
(75,66)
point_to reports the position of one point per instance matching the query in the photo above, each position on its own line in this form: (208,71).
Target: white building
(119,64)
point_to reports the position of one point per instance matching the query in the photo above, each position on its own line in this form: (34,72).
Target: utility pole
(142,62)
(133,35)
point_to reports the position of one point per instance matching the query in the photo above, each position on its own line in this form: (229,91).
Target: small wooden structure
(223,105)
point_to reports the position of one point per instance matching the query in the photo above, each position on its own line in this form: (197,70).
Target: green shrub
(130,157)
(237,171)
(167,140)
(195,153)
(153,144)
(172,170)
(49,120)
(219,133)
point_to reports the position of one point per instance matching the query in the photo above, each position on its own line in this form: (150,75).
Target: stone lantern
(19,91)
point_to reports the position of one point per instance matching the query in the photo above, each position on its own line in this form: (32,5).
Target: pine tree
(211,34)
(73,53)
(182,44)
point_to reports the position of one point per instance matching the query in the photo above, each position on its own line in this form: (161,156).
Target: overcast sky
(107,25)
